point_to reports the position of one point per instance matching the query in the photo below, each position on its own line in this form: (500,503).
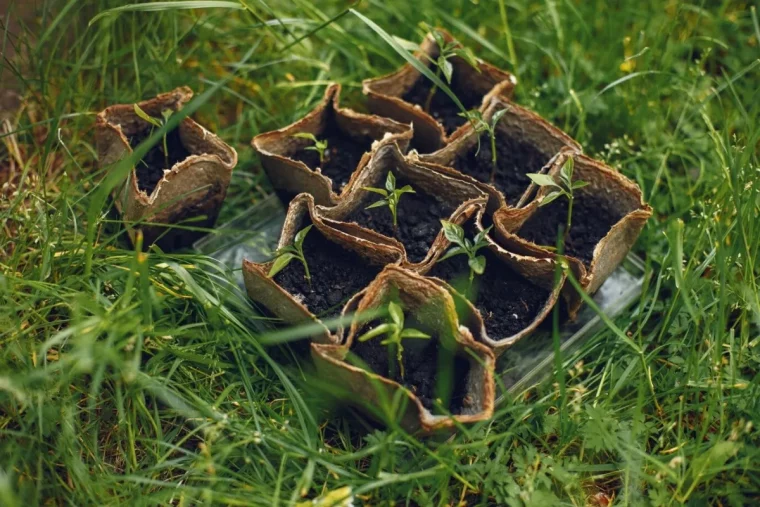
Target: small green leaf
(567,170)
(446,68)
(378,204)
(477,264)
(390,182)
(397,314)
(456,250)
(281,263)
(167,113)
(145,116)
(579,184)
(285,249)
(481,236)
(497,116)
(550,197)
(379,330)
(301,236)
(468,56)
(406,189)
(414,333)
(453,232)
(380,191)
(439,39)
(407,44)
(542,180)
(305,135)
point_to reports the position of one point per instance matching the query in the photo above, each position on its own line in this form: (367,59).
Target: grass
(141,379)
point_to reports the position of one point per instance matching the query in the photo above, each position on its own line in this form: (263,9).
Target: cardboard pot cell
(356,134)
(389,95)
(525,143)
(340,243)
(194,186)
(450,351)
(614,212)
(514,295)
(437,196)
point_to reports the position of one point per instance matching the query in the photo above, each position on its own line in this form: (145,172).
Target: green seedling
(564,186)
(480,125)
(284,255)
(394,333)
(465,246)
(391,196)
(319,146)
(165,114)
(443,65)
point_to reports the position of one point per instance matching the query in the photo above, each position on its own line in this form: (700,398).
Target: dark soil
(336,275)
(150,169)
(514,160)
(342,155)
(420,367)
(442,108)
(592,219)
(507,302)
(419,220)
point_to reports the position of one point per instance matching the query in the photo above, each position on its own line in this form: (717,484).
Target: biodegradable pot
(390,95)
(608,216)
(511,299)
(351,137)
(525,143)
(356,254)
(433,311)
(437,196)
(194,186)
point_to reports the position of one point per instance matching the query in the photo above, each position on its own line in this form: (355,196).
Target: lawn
(141,378)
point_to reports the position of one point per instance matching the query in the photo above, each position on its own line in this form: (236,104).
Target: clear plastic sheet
(254,234)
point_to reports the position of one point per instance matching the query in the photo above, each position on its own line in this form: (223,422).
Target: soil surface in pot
(420,360)
(336,275)
(442,108)
(342,155)
(592,219)
(150,169)
(507,301)
(514,160)
(419,220)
